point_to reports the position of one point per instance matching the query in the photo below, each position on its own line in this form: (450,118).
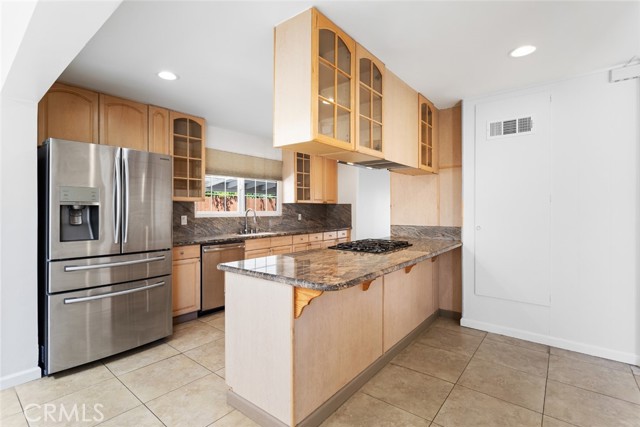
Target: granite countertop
(226,238)
(332,270)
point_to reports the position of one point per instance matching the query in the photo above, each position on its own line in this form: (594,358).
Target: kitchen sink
(259,234)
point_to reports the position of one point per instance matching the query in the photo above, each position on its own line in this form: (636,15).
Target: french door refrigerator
(104,270)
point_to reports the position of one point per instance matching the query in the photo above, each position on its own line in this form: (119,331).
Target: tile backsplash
(314,217)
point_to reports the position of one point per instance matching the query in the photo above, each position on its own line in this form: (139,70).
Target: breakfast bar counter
(305,330)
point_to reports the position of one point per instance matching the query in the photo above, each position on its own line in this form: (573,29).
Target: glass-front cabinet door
(187,151)
(369,103)
(428,142)
(335,72)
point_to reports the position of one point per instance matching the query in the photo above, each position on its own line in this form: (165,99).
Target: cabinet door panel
(159,130)
(186,286)
(330,181)
(123,123)
(68,112)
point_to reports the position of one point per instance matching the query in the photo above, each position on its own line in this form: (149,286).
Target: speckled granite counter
(332,270)
(228,238)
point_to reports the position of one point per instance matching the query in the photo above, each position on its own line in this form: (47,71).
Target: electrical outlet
(299,217)
(183,220)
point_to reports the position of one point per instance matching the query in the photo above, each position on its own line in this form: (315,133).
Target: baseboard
(185,317)
(334,402)
(619,356)
(20,377)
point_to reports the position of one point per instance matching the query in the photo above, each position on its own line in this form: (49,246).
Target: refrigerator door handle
(117,199)
(125,157)
(112,294)
(71,268)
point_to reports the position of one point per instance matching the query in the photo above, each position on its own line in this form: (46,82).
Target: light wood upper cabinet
(123,123)
(308,178)
(428,135)
(159,130)
(401,127)
(369,103)
(313,85)
(68,112)
(187,149)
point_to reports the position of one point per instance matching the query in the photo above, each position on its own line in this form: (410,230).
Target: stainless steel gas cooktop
(372,246)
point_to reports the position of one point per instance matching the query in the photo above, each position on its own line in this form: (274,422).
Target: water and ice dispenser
(79,213)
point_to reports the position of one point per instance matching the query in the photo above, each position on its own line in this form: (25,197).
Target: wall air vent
(511,127)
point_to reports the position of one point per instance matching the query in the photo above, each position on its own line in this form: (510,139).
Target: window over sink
(230,196)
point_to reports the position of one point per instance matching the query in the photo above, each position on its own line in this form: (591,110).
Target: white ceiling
(447,50)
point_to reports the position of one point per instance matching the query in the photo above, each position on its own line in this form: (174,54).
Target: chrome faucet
(255,220)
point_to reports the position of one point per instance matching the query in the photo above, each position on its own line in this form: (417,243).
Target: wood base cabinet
(186,279)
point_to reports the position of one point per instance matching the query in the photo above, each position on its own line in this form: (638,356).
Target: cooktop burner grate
(372,246)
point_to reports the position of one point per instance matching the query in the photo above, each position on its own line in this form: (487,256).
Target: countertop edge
(343,285)
(207,240)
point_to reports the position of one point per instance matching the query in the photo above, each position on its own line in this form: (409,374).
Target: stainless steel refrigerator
(104,267)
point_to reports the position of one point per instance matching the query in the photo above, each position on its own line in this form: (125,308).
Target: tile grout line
(459,376)
(546,383)
(395,406)
(596,392)
(140,400)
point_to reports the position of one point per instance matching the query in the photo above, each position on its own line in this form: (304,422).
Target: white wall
(368,192)
(53,36)
(595,232)
(241,143)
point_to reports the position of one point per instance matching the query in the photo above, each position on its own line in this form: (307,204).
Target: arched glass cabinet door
(427,148)
(334,86)
(370,105)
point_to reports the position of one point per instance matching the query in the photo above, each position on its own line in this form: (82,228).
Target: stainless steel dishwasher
(212,278)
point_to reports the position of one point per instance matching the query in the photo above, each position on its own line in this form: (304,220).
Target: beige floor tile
(217,323)
(520,343)
(210,355)
(57,385)
(15,420)
(637,380)
(457,342)
(409,390)
(365,411)
(183,325)
(440,363)
(234,419)
(454,325)
(86,407)
(552,422)
(586,408)
(136,417)
(522,359)
(220,373)
(621,385)
(508,384)
(211,316)
(9,403)
(199,403)
(469,408)
(611,364)
(194,335)
(143,356)
(162,377)
(635,369)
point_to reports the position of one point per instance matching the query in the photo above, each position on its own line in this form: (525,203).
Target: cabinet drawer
(301,247)
(343,240)
(281,250)
(328,243)
(315,237)
(329,235)
(256,253)
(281,241)
(185,252)
(253,244)
(300,238)
(317,245)
(342,233)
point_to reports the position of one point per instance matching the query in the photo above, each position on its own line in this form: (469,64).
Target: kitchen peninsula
(306,330)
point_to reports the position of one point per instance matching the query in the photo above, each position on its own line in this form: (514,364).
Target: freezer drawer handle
(113,264)
(208,249)
(112,294)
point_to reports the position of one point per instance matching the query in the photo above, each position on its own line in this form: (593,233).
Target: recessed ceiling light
(167,75)
(522,51)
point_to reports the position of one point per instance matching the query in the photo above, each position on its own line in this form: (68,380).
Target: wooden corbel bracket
(301,298)
(365,285)
(408,269)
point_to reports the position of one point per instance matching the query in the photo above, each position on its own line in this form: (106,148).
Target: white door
(513,190)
